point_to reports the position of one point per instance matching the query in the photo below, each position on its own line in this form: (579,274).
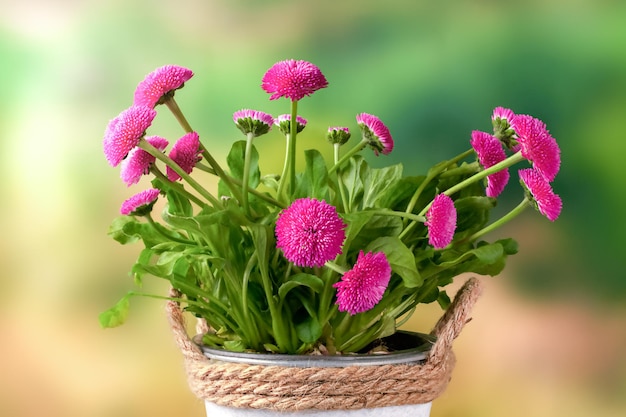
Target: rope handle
(446,330)
(456,316)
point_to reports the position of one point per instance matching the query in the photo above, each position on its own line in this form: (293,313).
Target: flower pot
(401,383)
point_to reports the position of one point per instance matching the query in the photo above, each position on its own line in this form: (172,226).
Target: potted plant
(318,264)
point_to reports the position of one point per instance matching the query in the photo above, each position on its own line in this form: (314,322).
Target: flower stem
(246,172)
(178,114)
(356,149)
(512,160)
(220,172)
(146,146)
(176,186)
(283,175)
(342,191)
(293,131)
(438,169)
(502,220)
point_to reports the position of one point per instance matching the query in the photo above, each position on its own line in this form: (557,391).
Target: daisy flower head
(441,221)
(501,120)
(141,203)
(161,84)
(537,145)
(375,133)
(489,151)
(310,232)
(338,135)
(186,153)
(138,161)
(125,131)
(251,121)
(546,201)
(293,79)
(284,123)
(362,287)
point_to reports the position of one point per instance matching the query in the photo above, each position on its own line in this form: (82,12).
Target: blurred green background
(548,337)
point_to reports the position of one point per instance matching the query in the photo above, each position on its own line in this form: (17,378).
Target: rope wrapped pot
(319,388)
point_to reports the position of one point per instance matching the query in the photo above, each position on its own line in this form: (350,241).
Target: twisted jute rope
(353,387)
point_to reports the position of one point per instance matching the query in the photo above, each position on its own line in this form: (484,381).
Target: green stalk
(146,146)
(502,220)
(178,114)
(342,192)
(246,172)
(283,175)
(356,149)
(293,131)
(512,160)
(176,186)
(220,172)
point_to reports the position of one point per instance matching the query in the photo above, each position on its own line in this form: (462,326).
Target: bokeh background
(549,335)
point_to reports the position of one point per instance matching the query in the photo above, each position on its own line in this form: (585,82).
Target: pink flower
(138,161)
(489,151)
(362,287)
(502,114)
(252,121)
(339,135)
(284,123)
(293,79)
(376,133)
(310,232)
(441,221)
(141,203)
(125,131)
(548,203)
(161,84)
(186,153)
(537,145)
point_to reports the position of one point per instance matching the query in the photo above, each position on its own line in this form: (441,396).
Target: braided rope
(351,387)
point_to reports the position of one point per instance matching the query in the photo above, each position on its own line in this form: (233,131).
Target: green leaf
(400,258)
(352,177)
(314,180)
(116,315)
(301,280)
(309,330)
(377,181)
(118,232)
(236,161)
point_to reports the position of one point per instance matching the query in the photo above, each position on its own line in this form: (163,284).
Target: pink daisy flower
(501,120)
(537,145)
(376,133)
(489,151)
(441,221)
(125,131)
(362,287)
(546,201)
(284,123)
(310,232)
(338,135)
(186,153)
(252,121)
(161,84)
(138,161)
(141,203)
(293,80)
(502,114)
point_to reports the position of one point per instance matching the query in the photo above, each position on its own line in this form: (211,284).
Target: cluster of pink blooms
(124,133)
(310,232)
